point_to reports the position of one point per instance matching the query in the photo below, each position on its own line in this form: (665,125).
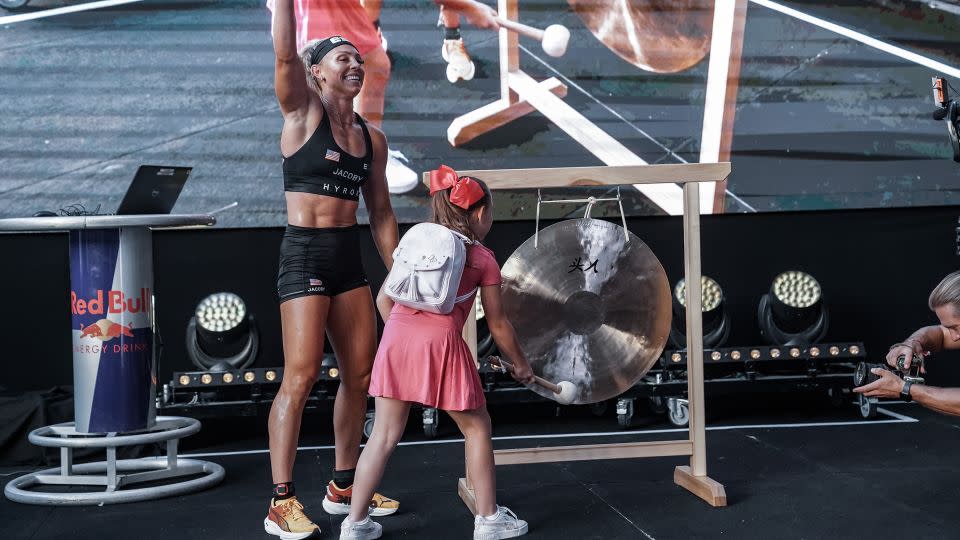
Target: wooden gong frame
(692,477)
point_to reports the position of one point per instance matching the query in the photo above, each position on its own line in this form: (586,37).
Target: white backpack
(427,266)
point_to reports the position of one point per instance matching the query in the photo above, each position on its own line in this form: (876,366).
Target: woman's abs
(319,211)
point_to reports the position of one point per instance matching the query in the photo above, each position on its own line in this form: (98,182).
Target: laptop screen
(154,190)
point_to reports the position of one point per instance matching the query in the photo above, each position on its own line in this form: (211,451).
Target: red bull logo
(110,302)
(106,330)
(112,330)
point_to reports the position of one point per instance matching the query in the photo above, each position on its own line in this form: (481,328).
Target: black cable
(159,341)
(78,209)
(950,86)
(158,355)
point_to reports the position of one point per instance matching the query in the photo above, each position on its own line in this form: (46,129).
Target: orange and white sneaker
(287,520)
(337,501)
(459,64)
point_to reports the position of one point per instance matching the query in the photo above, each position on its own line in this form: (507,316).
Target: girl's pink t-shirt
(480,270)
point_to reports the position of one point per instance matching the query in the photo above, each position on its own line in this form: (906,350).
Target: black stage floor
(792,468)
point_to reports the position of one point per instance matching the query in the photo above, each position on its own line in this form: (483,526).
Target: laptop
(154,190)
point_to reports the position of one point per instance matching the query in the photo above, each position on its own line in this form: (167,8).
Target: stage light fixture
(716,322)
(710,293)
(834,350)
(222,335)
(793,312)
(329,368)
(234,378)
(676,359)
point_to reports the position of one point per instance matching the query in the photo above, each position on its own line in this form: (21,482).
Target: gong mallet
(564,392)
(553,40)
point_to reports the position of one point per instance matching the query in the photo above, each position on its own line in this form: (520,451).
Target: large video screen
(828,104)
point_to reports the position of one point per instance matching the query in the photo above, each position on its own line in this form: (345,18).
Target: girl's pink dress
(422,356)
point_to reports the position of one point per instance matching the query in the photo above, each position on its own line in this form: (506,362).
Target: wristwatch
(905,392)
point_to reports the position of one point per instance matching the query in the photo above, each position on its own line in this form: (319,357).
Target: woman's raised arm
(289,77)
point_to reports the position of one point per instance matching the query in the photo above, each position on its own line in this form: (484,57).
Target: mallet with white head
(553,39)
(564,392)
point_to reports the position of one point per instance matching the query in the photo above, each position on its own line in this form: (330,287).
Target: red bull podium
(114,368)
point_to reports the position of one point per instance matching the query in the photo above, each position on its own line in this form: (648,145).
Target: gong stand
(520,95)
(693,477)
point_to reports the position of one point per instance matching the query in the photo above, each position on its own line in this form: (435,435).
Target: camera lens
(860,374)
(863,374)
(901,362)
(902,359)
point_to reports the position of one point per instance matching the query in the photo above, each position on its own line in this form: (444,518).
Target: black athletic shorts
(319,261)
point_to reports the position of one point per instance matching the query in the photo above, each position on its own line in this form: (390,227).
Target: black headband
(321,49)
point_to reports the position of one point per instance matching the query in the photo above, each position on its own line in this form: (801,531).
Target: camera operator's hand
(909,349)
(887,386)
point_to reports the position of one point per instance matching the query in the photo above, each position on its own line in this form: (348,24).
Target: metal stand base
(113,474)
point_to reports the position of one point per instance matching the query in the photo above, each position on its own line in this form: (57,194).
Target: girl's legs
(449,18)
(391,419)
(372,7)
(369,102)
(476,429)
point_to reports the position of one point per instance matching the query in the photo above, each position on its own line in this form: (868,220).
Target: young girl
(423,358)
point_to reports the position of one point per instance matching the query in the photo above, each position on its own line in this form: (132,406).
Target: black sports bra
(321,167)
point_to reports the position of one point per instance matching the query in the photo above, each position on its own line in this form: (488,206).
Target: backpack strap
(462,236)
(465,296)
(468,242)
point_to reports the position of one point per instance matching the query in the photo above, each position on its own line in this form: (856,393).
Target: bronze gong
(664,36)
(588,307)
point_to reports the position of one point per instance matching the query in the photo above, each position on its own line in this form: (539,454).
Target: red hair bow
(465,192)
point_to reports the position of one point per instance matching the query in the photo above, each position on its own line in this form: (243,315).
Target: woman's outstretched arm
(289,78)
